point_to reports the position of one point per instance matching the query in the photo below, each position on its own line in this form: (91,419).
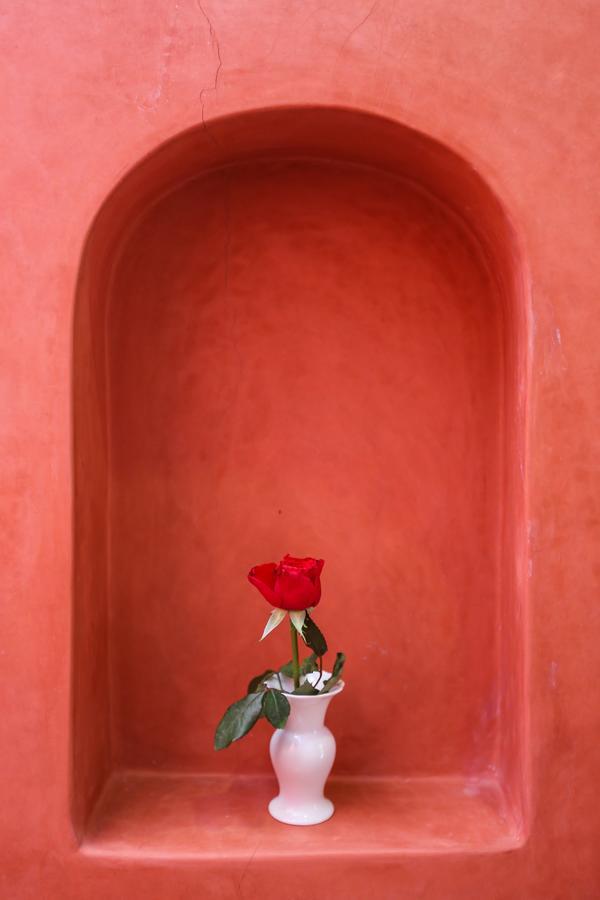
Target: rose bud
(293,584)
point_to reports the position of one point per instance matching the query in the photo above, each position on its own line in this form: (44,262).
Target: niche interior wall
(301,327)
(313,277)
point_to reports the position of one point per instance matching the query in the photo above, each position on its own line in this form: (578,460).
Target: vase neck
(307,713)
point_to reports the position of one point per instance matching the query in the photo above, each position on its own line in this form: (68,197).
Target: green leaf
(340,659)
(238,720)
(287,669)
(306,689)
(313,637)
(276,707)
(256,683)
(310,664)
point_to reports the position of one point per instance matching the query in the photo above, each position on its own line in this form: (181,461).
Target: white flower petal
(275,619)
(298,616)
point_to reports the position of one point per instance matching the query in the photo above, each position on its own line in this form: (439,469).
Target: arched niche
(303,330)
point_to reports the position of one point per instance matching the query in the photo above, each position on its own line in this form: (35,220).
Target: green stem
(295,657)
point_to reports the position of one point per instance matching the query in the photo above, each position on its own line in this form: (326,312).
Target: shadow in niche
(305,330)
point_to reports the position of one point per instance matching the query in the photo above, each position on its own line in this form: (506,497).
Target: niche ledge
(149,815)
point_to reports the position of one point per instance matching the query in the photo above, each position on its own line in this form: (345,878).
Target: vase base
(301,814)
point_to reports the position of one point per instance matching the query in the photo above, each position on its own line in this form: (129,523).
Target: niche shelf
(149,814)
(300,330)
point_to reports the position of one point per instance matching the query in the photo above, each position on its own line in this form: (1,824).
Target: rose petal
(307,565)
(295,591)
(298,562)
(263,578)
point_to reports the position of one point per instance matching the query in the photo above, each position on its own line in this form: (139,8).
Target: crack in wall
(358,26)
(216,47)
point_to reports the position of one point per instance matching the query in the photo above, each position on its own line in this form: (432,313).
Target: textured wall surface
(89,90)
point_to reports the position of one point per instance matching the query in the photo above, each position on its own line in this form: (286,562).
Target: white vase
(302,754)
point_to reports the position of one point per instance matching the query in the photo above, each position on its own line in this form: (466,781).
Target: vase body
(302,754)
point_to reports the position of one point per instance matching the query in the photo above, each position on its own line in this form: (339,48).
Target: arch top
(342,134)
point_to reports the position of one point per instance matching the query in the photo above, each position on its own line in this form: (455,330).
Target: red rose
(294,584)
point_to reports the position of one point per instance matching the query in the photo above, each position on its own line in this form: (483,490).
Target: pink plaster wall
(90,90)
